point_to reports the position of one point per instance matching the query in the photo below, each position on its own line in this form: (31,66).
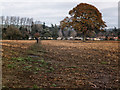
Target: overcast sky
(53,11)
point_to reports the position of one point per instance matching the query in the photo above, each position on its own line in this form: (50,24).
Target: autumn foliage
(84,18)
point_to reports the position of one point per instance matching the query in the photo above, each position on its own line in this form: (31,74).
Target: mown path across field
(61,64)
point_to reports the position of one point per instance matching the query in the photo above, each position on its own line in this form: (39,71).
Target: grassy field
(60,64)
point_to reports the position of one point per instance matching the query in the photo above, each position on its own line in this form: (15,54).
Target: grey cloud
(40,5)
(41,8)
(53,12)
(108,12)
(50,20)
(110,16)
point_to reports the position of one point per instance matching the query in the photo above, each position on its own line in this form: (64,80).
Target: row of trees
(14,20)
(45,31)
(14,27)
(110,34)
(12,33)
(18,21)
(84,19)
(24,28)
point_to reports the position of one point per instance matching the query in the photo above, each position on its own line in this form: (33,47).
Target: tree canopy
(84,18)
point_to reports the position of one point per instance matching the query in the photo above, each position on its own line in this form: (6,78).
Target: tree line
(84,20)
(23,28)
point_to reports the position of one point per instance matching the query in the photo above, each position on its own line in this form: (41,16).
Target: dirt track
(76,64)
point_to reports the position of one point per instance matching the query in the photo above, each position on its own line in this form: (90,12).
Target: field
(60,64)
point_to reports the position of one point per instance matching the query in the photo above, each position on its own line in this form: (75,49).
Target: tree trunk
(84,37)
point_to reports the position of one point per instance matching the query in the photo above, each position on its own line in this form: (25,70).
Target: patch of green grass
(18,58)
(12,61)
(104,62)
(24,62)
(28,68)
(52,69)
(48,71)
(22,59)
(36,63)
(35,72)
(29,59)
(11,65)
(37,69)
(54,85)
(13,58)
(42,61)
(39,60)
(72,67)
(41,65)
(35,86)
